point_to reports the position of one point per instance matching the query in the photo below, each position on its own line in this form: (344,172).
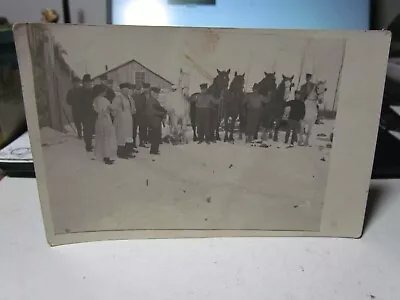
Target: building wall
(126,73)
(53,79)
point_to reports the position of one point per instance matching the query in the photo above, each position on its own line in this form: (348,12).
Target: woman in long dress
(105,139)
(123,107)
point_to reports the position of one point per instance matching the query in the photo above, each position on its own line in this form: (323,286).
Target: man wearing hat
(155,113)
(88,113)
(204,102)
(74,100)
(140,98)
(307,87)
(123,108)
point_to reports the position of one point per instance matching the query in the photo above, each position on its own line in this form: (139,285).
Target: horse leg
(301,132)
(217,124)
(184,130)
(276,131)
(192,113)
(255,137)
(195,138)
(310,125)
(242,122)
(226,127)
(232,127)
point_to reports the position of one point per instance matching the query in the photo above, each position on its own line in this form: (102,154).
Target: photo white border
(356,127)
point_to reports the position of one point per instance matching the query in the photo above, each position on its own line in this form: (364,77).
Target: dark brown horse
(219,85)
(267,85)
(232,105)
(276,107)
(267,88)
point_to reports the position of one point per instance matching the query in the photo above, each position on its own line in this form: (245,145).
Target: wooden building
(53,78)
(134,72)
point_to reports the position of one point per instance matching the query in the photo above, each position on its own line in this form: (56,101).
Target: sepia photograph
(150,128)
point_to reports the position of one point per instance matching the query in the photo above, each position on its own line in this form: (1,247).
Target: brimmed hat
(203,85)
(146,85)
(308,75)
(155,89)
(86,78)
(125,85)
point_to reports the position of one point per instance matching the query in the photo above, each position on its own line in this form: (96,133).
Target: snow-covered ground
(217,186)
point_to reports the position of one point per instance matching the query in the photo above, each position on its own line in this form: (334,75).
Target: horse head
(184,82)
(267,84)
(284,88)
(288,81)
(237,83)
(222,79)
(220,83)
(320,89)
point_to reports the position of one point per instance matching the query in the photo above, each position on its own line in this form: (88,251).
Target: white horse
(178,106)
(312,102)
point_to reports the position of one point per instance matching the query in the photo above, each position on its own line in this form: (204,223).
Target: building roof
(129,62)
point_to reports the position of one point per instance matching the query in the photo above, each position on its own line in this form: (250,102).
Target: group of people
(116,118)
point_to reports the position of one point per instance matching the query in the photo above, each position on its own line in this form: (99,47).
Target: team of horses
(231,111)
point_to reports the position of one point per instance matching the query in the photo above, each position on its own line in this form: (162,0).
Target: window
(139,78)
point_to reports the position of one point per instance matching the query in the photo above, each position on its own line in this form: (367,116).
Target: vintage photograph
(145,128)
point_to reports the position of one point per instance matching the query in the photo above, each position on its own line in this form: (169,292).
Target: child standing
(296,114)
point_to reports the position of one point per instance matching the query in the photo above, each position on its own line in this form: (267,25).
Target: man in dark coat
(74,100)
(296,114)
(204,102)
(155,113)
(140,97)
(88,113)
(307,87)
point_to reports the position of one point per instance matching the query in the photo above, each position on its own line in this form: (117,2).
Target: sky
(301,14)
(200,52)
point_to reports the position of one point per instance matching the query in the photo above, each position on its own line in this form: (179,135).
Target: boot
(108,161)
(121,152)
(128,150)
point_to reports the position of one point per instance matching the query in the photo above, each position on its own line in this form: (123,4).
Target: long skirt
(105,140)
